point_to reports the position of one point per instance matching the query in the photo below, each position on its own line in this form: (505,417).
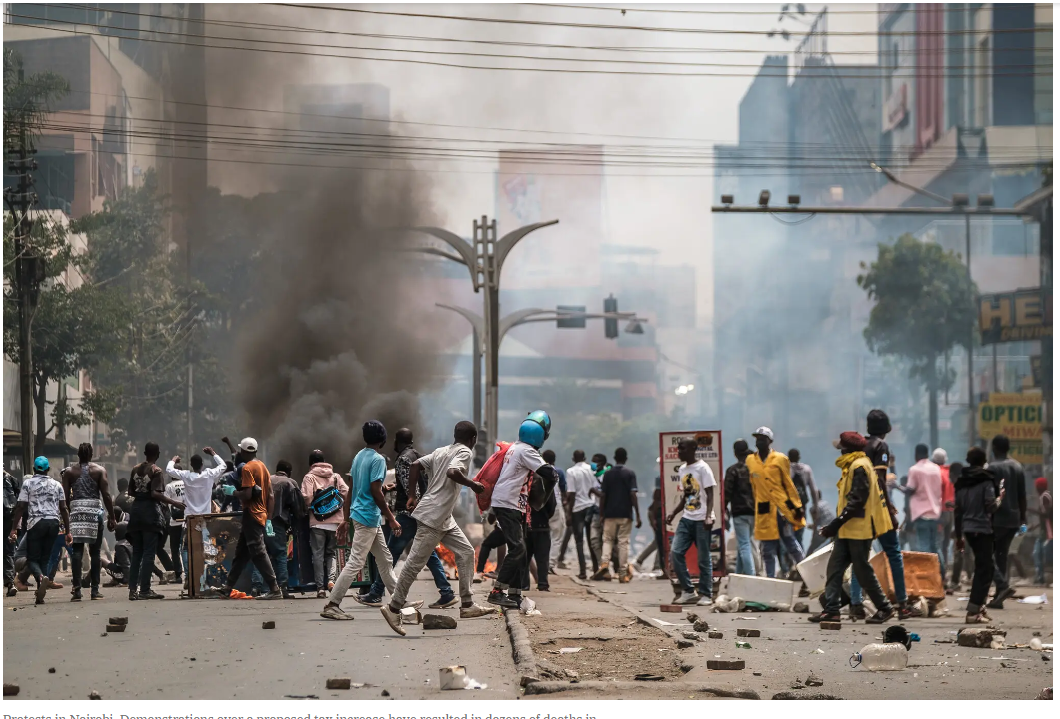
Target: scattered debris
(684,643)
(300,696)
(115,628)
(749,632)
(725,664)
(455,677)
(118,620)
(979,638)
(1036,644)
(1046,693)
(436,621)
(411,615)
(801,608)
(94,695)
(814,681)
(686,668)
(818,650)
(812,697)
(757,674)
(691,636)
(743,645)
(51,670)
(648,678)
(570,650)
(338,683)
(700,625)
(670,608)
(1040,599)
(384,693)
(715,634)
(10,690)
(727,605)
(529,607)
(692,617)
(832,626)
(268,625)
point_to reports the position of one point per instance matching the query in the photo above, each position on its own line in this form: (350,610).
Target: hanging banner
(1018,417)
(709,450)
(1015,316)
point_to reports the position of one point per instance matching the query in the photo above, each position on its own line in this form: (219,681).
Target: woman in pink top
(323,533)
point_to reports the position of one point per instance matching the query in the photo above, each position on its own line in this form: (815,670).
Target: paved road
(786,652)
(213,649)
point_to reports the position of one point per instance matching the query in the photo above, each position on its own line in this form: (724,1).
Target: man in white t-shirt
(696,525)
(447,469)
(580,480)
(510,505)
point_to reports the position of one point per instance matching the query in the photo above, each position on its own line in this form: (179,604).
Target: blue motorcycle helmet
(535,428)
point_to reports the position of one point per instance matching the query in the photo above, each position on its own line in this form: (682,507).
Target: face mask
(593,465)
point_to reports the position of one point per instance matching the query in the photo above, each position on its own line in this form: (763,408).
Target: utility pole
(27,275)
(958,206)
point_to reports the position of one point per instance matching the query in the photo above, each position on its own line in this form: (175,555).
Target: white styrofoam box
(777,593)
(814,569)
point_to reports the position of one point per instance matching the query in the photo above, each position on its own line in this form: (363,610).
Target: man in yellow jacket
(863,516)
(778,509)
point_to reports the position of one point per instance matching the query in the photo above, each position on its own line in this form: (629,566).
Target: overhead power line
(642,28)
(640,8)
(762,72)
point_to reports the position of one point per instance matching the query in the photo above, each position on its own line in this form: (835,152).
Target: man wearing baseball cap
(863,516)
(43,501)
(778,509)
(255,494)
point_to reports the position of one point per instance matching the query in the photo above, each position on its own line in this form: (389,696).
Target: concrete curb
(525,664)
(538,688)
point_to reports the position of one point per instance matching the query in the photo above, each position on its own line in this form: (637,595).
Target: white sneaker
(686,598)
(475,611)
(705,602)
(393,619)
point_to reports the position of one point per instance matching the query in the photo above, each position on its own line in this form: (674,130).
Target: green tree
(924,306)
(146,380)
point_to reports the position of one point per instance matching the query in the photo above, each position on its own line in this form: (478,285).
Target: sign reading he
(1018,417)
(1015,316)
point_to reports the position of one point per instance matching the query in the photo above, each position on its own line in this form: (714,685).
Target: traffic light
(481,450)
(611,324)
(573,323)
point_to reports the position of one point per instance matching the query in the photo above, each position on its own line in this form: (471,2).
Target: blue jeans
(744,525)
(927,540)
(891,547)
(276,548)
(397,545)
(771,547)
(691,532)
(1043,550)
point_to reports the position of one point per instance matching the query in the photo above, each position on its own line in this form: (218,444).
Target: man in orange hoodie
(323,530)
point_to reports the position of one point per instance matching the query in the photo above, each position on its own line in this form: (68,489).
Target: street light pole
(477,332)
(484,258)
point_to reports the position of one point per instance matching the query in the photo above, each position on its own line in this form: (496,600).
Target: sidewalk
(623,633)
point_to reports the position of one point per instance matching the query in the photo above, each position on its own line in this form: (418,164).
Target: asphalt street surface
(217,649)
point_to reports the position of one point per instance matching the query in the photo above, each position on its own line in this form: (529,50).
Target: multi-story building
(134,104)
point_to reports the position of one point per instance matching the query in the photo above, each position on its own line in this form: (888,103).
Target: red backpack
(489,473)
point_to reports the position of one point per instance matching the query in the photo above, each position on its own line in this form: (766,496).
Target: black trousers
(538,546)
(145,547)
(9,551)
(582,527)
(39,542)
(493,540)
(77,557)
(251,548)
(565,544)
(1003,537)
(175,549)
(982,546)
(853,553)
(512,524)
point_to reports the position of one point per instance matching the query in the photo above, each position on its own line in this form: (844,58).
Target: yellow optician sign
(1018,417)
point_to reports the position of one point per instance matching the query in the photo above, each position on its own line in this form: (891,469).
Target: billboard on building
(1018,417)
(540,185)
(1015,316)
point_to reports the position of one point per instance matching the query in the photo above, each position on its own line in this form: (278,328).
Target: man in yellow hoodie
(863,516)
(778,509)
